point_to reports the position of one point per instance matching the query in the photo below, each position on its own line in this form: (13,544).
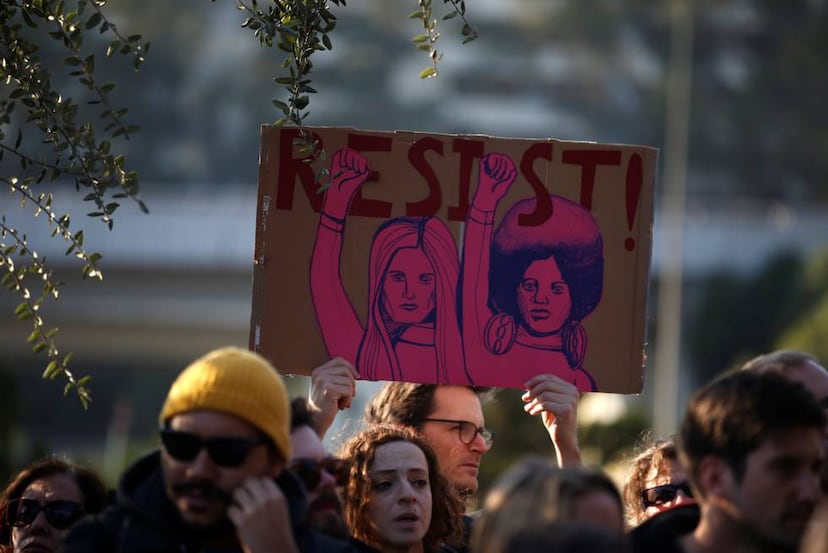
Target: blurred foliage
(739,317)
(48,51)
(47,139)
(605,443)
(427,42)
(808,332)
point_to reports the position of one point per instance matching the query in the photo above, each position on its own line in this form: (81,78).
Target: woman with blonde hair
(411,330)
(534,492)
(395,500)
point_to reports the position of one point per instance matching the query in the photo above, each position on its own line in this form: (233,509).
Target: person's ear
(715,477)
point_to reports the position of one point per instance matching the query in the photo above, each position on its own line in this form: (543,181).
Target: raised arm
(338,322)
(497,173)
(557,402)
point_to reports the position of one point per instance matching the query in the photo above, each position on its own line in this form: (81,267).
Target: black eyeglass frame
(224,451)
(49,510)
(485,433)
(309,471)
(671,491)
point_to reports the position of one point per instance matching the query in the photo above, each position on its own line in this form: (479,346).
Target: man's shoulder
(118,528)
(94,533)
(663,532)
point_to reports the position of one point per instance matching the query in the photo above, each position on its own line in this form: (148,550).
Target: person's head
(320,473)
(459,443)
(226,419)
(395,497)
(548,278)
(752,447)
(413,273)
(534,492)
(657,481)
(799,367)
(43,500)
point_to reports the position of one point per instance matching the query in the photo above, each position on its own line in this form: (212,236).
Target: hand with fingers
(261,517)
(556,400)
(332,388)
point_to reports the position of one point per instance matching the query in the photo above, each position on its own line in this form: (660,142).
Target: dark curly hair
(446,508)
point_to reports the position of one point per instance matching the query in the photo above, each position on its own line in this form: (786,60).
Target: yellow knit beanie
(238,382)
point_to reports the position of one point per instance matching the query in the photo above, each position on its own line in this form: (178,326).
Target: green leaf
(50,368)
(428,72)
(419,38)
(93,21)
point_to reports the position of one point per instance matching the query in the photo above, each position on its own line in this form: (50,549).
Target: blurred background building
(753,220)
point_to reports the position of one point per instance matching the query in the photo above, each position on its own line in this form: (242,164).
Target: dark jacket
(662,532)
(143,520)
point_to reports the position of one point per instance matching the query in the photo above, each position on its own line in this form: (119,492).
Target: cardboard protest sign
(455,259)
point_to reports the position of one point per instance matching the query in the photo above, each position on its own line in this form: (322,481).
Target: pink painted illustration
(411,331)
(526,289)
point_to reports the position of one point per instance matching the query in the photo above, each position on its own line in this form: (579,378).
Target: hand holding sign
(497,173)
(349,169)
(333,386)
(556,400)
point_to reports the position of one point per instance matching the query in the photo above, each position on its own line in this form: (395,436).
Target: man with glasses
(321,474)
(218,483)
(449,417)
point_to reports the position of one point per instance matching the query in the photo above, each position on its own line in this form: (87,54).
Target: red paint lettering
(291,168)
(364,206)
(543,207)
(416,155)
(589,160)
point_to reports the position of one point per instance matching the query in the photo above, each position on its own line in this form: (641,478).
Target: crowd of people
(243,468)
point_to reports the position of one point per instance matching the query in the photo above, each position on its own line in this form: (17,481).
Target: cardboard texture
(455,259)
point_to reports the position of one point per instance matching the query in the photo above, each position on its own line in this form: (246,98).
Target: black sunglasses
(467,431)
(310,470)
(225,452)
(59,514)
(659,495)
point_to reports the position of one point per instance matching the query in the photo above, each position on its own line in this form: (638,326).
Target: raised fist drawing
(497,173)
(349,169)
